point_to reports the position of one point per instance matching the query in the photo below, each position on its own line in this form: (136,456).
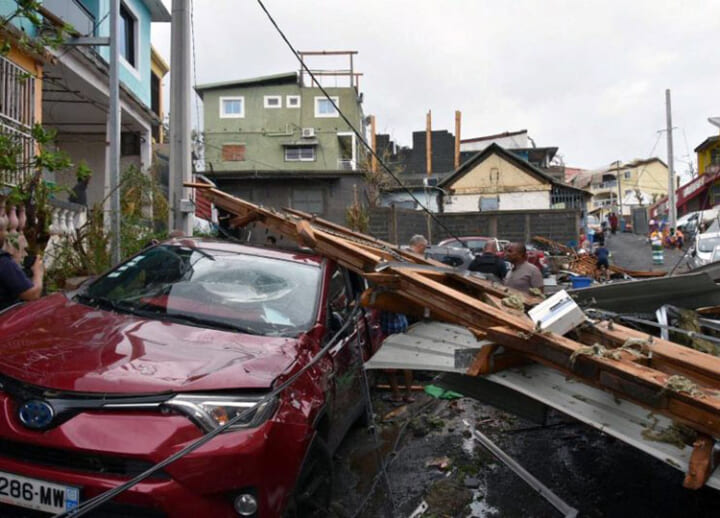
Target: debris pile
(613,358)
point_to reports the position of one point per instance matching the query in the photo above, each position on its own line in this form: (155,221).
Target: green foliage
(48,34)
(144,210)
(83,171)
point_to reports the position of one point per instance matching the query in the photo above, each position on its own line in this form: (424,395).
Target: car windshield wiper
(100,302)
(206,322)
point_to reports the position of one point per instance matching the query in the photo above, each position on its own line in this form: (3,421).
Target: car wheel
(313,490)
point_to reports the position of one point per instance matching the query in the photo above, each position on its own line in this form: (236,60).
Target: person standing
(524,275)
(602,266)
(418,244)
(14,284)
(656,245)
(394,323)
(489,262)
(613,222)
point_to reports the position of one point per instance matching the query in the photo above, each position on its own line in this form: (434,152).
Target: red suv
(100,385)
(477,243)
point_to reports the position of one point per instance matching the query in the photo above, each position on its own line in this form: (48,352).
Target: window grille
(17,116)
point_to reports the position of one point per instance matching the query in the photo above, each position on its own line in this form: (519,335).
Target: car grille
(109,510)
(76,461)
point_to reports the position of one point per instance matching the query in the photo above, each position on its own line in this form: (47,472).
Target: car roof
(296,255)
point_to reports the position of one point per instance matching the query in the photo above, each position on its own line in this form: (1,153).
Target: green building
(275,123)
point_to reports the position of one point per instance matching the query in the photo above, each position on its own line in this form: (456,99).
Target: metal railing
(17,116)
(17,95)
(74,13)
(346,164)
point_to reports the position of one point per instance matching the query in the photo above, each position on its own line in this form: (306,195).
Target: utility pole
(181,207)
(373,143)
(619,184)
(672,209)
(113,134)
(457,139)
(428,142)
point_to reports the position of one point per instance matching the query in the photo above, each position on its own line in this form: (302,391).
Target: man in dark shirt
(14,284)
(489,262)
(603,263)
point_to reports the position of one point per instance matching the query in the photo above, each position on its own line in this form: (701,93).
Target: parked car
(703,248)
(100,385)
(477,243)
(474,243)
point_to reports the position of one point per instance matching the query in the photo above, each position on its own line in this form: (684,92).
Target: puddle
(479,508)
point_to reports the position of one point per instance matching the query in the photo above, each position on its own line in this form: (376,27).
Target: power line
(360,137)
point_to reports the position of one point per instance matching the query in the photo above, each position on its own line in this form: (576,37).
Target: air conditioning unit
(308,132)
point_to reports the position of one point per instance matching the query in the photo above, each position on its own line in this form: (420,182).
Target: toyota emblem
(36,414)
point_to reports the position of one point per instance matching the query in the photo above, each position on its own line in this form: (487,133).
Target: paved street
(632,251)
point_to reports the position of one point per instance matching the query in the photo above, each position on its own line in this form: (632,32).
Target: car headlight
(210,411)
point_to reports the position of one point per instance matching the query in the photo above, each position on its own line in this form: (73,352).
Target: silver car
(703,248)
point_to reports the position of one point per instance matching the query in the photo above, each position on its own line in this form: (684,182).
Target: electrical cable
(100,499)
(354,130)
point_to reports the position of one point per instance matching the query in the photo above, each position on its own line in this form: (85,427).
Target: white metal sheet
(431,346)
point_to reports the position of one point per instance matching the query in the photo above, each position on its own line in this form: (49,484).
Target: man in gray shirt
(523,275)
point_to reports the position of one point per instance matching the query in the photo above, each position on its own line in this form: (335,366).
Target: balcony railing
(346,164)
(17,116)
(74,13)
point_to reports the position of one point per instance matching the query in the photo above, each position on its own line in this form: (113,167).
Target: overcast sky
(587,77)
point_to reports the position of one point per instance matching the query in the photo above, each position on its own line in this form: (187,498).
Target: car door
(346,387)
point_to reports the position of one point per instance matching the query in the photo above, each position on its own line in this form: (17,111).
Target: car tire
(313,491)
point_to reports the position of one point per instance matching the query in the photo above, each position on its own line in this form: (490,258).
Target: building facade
(498,180)
(70,90)
(637,183)
(276,123)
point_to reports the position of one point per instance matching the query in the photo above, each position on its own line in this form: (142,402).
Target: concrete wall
(263,131)
(278,192)
(530,200)
(91,149)
(399,225)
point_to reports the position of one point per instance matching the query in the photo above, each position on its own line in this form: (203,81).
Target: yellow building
(159,69)
(638,182)
(708,155)
(21,98)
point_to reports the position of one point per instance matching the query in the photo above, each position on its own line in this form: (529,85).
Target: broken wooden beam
(701,464)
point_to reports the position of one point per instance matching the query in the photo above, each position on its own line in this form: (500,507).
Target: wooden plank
(637,383)
(666,356)
(241,221)
(701,464)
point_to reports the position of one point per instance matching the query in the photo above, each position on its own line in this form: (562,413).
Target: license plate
(37,494)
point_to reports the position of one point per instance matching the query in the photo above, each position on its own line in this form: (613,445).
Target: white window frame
(133,69)
(293,106)
(353,143)
(266,102)
(300,159)
(240,115)
(319,115)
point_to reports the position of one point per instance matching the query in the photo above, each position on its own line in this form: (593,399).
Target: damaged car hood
(59,344)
